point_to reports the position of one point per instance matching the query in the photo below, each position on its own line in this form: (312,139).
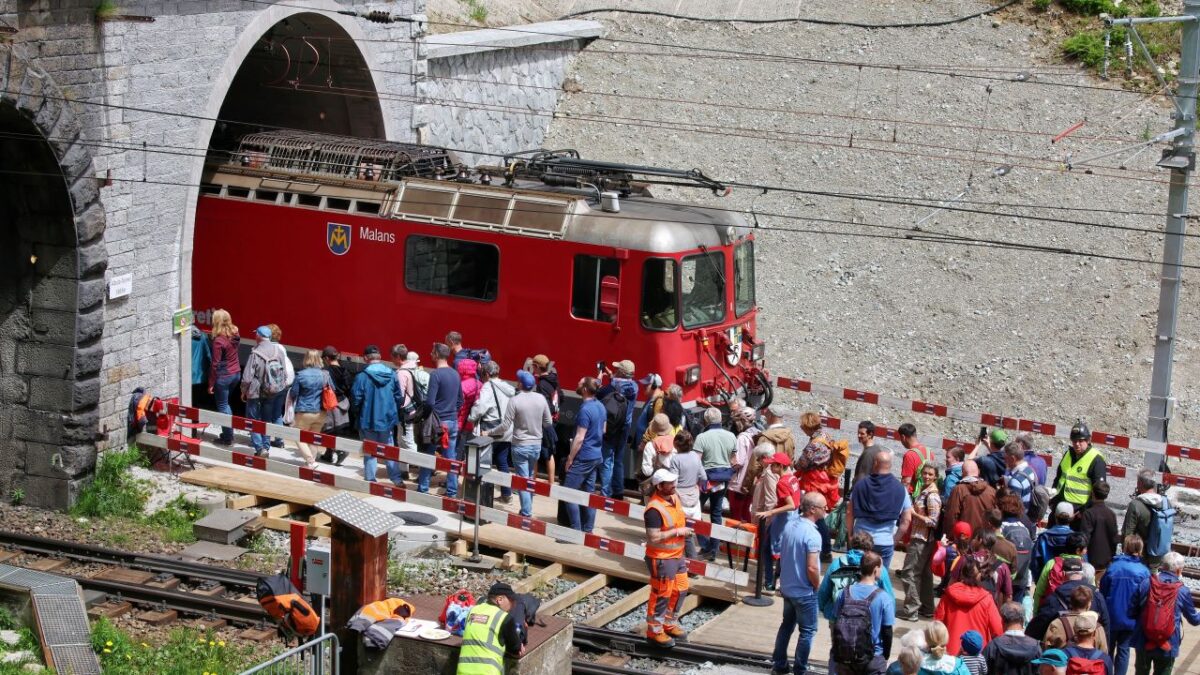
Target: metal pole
(764,558)
(1181,160)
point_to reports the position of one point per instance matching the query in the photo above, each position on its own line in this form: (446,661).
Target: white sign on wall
(120,286)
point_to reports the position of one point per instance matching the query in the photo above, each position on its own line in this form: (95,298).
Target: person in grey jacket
(527,414)
(487,414)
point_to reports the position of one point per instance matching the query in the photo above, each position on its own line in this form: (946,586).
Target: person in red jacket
(966,605)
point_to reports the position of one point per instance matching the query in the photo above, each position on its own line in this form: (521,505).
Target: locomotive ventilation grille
(344,156)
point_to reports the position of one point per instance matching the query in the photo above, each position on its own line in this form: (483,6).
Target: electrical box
(316,570)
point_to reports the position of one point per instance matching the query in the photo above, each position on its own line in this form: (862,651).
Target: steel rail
(628,643)
(581,667)
(231,610)
(90,553)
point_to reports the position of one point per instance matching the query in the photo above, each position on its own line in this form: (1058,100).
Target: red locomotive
(350,241)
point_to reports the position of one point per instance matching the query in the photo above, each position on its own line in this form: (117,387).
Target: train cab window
(702,282)
(659,296)
(464,269)
(743,277)
(585,286)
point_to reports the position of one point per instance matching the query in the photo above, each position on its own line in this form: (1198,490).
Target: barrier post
(478,449)
(764,558)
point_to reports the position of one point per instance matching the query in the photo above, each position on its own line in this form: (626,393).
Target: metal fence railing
(315,657)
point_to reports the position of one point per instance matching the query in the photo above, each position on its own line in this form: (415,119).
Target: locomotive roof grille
(343,156)
(566,168)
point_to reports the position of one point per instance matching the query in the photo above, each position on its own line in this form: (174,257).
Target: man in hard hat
(490,634)
(666,533)
(1082,466)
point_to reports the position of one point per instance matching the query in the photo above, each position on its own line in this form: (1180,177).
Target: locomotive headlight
(689,375)
(758,352)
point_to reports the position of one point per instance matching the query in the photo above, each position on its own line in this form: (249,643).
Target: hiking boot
(277,443)
(676,631)
(341,457)
(659,639)
(906,616)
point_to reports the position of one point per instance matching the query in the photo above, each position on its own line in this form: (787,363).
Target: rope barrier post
(764,557)
(479,450)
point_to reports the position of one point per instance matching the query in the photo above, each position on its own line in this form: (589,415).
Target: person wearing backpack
(1061,631)
(1016,533)
(716,446)
(619,395)
(1054,572)
(1150,516)
(967,605)
(377,398)
(264,379)
(1119,585)
(1083,657)
(864,616)
(1161,604)
(915,456)
(1052,542)
(1019,477)
(845,570)
(1059,601)
(1098,524)
(488,413)
(1013,652)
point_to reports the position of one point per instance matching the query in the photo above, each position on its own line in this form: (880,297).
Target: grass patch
(177,517)
(1085,44)
(114,491)
(475,10)
(187,651)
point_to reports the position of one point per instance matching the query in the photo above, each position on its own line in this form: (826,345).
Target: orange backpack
(284,601)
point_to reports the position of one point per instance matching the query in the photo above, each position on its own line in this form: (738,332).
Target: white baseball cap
(663,476)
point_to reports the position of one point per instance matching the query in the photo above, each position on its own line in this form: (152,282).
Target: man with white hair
(666,534)
(1160,605)
(715,445)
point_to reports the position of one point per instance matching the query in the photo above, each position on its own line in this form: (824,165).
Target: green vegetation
(16,496)
(177,517)
(105,9)
(114,491)
(186,652)
(475,10)
(28,642)
(1085,44)
(1041,5)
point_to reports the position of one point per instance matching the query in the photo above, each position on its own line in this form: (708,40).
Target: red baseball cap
(961,529)
(779,458)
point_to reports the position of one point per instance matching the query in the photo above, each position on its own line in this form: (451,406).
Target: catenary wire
(822,22)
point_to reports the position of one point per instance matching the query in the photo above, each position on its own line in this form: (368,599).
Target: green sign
(182,320)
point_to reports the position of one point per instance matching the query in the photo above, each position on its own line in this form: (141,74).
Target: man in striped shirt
(1020,477)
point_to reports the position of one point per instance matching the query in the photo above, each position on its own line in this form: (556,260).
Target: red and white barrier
(1057,430)
(394,453)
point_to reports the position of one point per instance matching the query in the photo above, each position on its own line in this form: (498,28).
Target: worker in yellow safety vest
(490,634)
(666,532)
(1082,466)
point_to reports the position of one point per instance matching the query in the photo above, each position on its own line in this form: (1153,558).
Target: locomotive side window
(702,280)
(585,288)
(464,269)
(743,278)
(659,296)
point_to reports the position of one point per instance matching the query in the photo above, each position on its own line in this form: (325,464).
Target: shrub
(186,651)
(177,517)
(1041,5)
(1087,47)
(113,491)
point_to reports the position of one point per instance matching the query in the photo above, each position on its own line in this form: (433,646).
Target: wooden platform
(496,536)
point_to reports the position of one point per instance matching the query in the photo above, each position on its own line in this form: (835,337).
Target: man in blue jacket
(616,441)
(378,400)
(445,396)
(1148,655)
(833,583)
(1119,585)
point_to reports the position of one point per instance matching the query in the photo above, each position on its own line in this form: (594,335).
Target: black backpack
(853,646)
(1016,533)
(615,406)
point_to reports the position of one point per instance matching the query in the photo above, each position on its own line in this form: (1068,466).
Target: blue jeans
(259,409)
(582,476)
(501,461)
(1118,646)
(278,402)
(716,502)
(424,475)
(221,390)
(371,465)
(616,480)
(886,552)
(525,458)
(797,613)
(607,463)
(774,533)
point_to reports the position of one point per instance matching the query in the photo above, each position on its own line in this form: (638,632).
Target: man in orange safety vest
(666,533)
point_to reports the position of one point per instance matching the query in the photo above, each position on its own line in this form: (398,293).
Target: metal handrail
(306,659)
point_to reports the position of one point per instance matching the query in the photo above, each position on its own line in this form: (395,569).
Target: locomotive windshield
(702,280)
(658,294)
(743,277)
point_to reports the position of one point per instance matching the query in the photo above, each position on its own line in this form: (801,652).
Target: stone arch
(327,12)
(52,263)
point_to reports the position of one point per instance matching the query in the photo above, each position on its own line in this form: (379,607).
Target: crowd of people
(1011,596)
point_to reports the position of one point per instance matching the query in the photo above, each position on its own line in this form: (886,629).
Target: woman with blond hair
(307,390)
(225,373)
(937,661)
(818,466)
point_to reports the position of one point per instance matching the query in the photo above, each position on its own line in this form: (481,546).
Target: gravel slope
(1049,337)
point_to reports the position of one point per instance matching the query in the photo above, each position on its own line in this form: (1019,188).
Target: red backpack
(454,611)
(1158,615)
(1055,579)
(1080,662)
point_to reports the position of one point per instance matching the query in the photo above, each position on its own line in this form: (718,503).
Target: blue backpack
(1162,526)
